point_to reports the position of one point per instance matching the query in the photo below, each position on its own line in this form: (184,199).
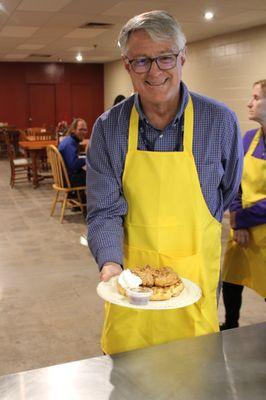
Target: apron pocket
(136,257)
(187,267)
(187,243)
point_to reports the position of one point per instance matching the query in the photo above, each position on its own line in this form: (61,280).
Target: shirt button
(160,136)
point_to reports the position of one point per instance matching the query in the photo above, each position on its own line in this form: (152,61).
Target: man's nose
(154,67)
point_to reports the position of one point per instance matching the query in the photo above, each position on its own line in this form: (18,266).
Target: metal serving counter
(222,366)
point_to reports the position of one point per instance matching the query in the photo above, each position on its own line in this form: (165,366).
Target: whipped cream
(128,280)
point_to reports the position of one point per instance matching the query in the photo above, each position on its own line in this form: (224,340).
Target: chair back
(59,171)
(38,133)
(10,149)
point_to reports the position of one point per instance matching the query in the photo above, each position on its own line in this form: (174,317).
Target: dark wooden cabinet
(42,111)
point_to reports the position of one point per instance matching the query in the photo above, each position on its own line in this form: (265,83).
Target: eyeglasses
(164,62)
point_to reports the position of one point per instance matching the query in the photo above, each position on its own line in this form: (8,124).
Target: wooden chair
(62,183)
(21,167)
(38,133)
(14,136)
(3,148)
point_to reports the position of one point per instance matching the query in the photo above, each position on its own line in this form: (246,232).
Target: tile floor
(49,310)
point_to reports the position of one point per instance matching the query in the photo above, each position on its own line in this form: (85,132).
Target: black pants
(232,296)
(78,179)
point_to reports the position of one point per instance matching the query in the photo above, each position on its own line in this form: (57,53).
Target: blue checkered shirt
(217,150)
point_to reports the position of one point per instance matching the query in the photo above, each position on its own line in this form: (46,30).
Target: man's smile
(161,83)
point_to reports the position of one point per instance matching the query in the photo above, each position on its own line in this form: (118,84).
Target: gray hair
(160,25)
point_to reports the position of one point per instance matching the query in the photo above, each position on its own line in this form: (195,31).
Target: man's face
(81,130)
(257,105)
(155,86)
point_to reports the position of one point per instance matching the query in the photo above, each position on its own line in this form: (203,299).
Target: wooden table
(33,149)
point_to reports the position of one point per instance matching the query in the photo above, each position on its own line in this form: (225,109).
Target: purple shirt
(256,214)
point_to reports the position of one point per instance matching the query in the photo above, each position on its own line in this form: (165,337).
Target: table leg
(34,169)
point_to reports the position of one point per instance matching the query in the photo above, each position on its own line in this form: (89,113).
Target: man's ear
(126,63)
(183,56)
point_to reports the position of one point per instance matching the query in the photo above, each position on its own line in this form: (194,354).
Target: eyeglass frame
(152,59)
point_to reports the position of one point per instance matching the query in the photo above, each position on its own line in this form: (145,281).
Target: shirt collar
(183,103)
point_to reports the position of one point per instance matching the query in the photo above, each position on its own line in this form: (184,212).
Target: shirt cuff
(243,220)
(109,254)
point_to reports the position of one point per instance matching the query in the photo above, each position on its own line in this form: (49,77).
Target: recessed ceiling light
(79,57)
(208,15)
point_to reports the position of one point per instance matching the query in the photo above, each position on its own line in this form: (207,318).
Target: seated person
(118,99)
(61,130)
(69,148)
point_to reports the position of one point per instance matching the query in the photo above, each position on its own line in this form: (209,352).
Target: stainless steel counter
(228,365)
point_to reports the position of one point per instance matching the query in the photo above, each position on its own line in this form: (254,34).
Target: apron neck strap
(133,129)
(254,141)
(188,127)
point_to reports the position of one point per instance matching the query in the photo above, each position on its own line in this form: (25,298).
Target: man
(245,256)
(162,167)
(69,148)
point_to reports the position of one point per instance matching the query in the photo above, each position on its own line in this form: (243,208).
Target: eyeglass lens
(163,63)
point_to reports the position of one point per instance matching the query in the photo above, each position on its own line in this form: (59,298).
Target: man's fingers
(246,240)
(105,277)
(110,270)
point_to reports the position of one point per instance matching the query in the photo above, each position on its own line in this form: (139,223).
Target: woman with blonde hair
(245,257)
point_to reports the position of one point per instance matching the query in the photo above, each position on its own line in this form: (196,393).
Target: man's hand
(109,270)
(241,236)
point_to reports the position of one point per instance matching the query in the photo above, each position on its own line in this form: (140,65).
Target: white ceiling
(52,27)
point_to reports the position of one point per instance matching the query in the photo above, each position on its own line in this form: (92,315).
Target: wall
(223,67)
(226,66)
(17,80)
(116,81)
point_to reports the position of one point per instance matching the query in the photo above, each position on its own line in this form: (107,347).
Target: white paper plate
(190,294)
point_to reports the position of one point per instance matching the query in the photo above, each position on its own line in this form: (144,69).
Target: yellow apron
(167,224)
(247,266)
